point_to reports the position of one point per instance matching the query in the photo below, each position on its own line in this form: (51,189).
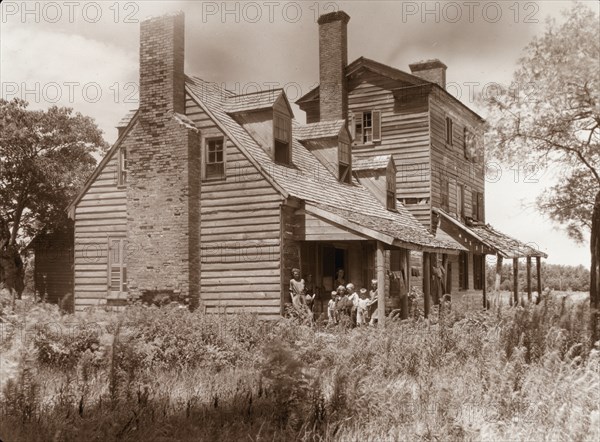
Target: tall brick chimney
(333,58)
(430,70)
(162,170)
(162,80)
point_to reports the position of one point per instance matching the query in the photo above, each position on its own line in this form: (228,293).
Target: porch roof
(391,232)
(503,244)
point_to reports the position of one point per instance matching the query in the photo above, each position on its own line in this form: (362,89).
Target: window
(391,189)
(215,158)
(117,269)
(460,201)
(445,193)
(366,127)
(345,163)
(282,130)
(449,131)
(122,178)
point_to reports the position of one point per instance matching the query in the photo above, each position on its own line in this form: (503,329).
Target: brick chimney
(162,80)
(430,70)
(333,58)
(162,170)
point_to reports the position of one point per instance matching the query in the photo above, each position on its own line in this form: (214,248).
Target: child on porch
(373,313)
(361,310)
(332,308)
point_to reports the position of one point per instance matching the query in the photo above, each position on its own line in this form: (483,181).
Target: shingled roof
(503,244)
(310,181)
(506,246)
(370,163)
(323,129)
(253,101)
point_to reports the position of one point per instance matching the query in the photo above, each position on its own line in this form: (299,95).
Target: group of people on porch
(347,303)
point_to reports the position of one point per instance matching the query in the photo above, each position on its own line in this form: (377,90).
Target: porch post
(538,269)
(483,282)
(516,281)
(380,270)
(498,278)
(405,259)
(529,279)
(427,282)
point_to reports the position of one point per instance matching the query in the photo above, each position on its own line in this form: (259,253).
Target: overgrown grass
(168,374)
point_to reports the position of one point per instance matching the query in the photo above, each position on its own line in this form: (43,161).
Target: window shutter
(480,206)
(474,210)
(357,128)
(376,125)
(351,124)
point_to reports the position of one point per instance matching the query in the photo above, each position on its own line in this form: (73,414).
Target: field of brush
(528,373)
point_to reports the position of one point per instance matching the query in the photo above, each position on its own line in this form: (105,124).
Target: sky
(85,55)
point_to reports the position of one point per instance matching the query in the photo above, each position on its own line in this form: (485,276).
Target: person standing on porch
(354,298)
(373,312)
(297,289)
(339,278)
(362,308)
(332,308)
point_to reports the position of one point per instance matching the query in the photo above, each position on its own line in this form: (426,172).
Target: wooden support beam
(380,271)
(516,281)
(427,282)
(498,279)
(538,269)
(483,282)
(405,266)
(529,279)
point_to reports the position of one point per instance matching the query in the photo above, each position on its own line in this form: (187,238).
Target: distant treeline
(555,276)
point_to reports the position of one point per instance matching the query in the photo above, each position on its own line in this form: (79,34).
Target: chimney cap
(334,16)
(426,64)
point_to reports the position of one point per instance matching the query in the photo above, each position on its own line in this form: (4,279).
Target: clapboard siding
(450,160)
(404,134)
(239,235)
(101,213)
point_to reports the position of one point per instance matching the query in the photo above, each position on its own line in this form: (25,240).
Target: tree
(45,157)
(551,115)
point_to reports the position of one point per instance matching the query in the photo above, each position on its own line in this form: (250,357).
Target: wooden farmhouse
(214,197)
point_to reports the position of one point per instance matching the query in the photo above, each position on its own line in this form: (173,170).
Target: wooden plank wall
(100,213)
(240,235)
(404,134)
(451,160)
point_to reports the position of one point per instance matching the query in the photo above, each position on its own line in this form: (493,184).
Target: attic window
(366,127)
(215,158)
(345,163)
(282,129)
(122,178)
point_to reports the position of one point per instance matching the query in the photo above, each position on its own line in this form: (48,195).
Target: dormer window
(282,135)
(122,178)
(366,127)
(345,163)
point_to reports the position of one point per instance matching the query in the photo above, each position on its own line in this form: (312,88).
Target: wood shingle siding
(100,214)
(239,234)
(404,134)
(450,160)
